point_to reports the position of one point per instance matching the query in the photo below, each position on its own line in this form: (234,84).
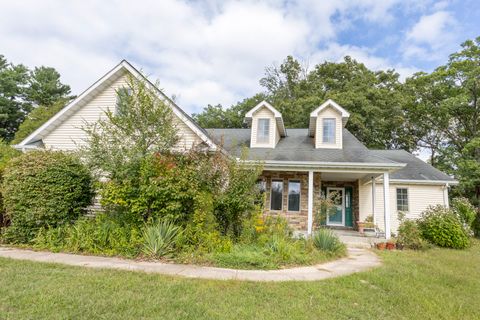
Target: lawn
(437,284)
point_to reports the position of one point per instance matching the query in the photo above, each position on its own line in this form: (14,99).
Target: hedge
(43,189)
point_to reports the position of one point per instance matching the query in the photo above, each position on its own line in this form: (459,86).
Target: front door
(336,216)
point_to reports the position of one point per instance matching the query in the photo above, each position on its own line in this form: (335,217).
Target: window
(123,100)
(328,130)
(402,199)
(263,131)
(276,197)
(294,195)
(261,186)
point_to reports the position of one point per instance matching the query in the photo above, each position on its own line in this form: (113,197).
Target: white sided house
(301,166)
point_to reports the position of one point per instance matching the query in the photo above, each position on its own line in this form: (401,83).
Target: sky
(215,52)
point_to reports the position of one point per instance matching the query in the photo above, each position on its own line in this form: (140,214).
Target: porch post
(373,201)
(386,204)
(310,202)
(445,196)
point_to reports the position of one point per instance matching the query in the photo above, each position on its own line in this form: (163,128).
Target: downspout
(445,196)
(373,201)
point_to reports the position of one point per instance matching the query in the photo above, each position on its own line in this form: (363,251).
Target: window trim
(267,139)
(334,131)
(299,195)
(408,199)
(271,194)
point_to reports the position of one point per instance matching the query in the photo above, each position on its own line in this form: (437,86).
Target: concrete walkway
(358,260)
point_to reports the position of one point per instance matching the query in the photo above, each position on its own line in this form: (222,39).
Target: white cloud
(431,37)
(336,52)
(204,52)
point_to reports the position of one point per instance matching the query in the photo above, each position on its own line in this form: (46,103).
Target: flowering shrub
(444,228)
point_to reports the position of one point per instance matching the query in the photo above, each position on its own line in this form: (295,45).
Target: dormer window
(266,124)
(263,131)
(326,125)
(329,130)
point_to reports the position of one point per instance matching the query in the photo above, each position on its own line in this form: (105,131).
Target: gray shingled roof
(298,146)
(416,169)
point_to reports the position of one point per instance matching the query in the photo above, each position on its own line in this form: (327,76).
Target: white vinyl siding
(419,198)
(68,135)
(329,113)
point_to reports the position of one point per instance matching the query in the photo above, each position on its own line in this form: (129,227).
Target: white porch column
(374,195)
(445,196)
(386,204)
(310,202)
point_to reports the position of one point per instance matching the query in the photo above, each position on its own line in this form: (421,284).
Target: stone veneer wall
(297,220)
(355,195)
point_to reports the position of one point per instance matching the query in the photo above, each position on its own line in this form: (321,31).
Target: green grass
(435,284)
(258,257)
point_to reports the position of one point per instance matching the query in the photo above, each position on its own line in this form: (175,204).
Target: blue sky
(209,52)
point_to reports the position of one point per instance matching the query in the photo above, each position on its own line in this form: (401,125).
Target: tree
(233,117)
(142,124)
(447,101)
(45,87)
(37,117)
(374,99)
(13,107)
(469,170)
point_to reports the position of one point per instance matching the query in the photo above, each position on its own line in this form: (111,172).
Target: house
(300,165)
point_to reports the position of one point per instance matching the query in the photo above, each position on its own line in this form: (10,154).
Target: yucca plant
(325,239)
(159,239)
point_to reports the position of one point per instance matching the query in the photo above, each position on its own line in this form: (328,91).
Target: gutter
(330,165)
(446,183)
(25,147)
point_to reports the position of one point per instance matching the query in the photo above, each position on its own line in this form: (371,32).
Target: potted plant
(361,226)
(381,245)
(390,245)
(367,224)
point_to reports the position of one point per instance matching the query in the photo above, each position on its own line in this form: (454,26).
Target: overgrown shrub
(476,225)
(43,189)
(443,227)
(104,235)
(277,226)
(326,240)
(159,239)
(201,233)
(465,211)
(6,153)
(410,236)
(171,186)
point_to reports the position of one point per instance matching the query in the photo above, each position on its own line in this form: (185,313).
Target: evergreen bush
(43,189)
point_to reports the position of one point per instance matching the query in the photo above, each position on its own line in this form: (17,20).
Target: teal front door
(336,216)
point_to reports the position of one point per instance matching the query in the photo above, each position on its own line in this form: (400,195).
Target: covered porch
(293,193)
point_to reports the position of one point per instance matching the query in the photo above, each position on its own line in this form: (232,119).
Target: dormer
(326,124)
(266,126)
